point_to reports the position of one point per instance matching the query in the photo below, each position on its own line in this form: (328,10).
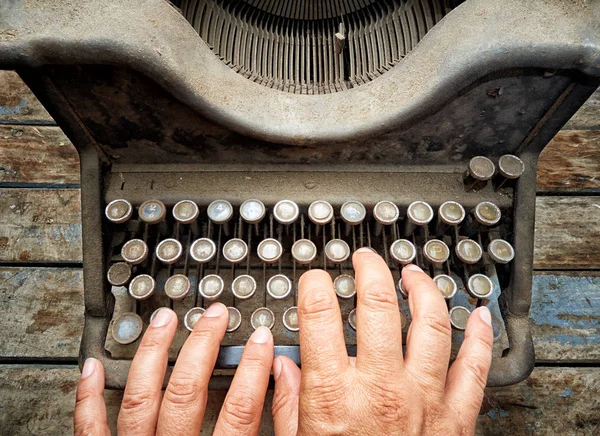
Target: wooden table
(41,289)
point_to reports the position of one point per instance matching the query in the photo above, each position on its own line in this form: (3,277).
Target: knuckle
(256,363)
(327,397)
(379,294)
(208,331)
(437,322)
(478,369)
(241,409)
(184,391)
(138,400)
(317,302)
(388,406)
(84,393)
(88,428)
(283,400)
(151,343)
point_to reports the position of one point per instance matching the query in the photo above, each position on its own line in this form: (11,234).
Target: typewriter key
(403,251)
(337,250)
(304,251)
(468,251)
(192,317)
(134,252)
(235,250)
(168,251)
(290,319)
(419,213)
(177,287)
(479,171)
(459,316)
(286,212)
(451,213)
(119,274)
(262,316)
(127,328)
(211,286)
(142,287)
(279,286)
(480,286)
(203,250)
(252,211)
(243,287)
(352,318)
(235,319)
(436,251)
(501,251)
(487,213)
(446,285)
(152,211)
(269,250)
(345,286)
(353,212)
(510,166)
(220,211)
(386,213)
(186,212)
(320,212)
(118,211)
(402,290)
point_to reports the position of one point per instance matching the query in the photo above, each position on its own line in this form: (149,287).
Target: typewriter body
(228,146)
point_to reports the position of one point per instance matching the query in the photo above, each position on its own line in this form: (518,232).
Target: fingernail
(88,367)
(277,367)
(162,318)
(413,267)
(366,250)
(214,311)
(261,335)
(485,315)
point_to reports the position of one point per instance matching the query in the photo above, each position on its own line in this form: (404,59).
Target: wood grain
(588,116)
(17,102)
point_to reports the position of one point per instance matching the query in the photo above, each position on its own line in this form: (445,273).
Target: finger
(184,401)
(286,397)
(429,341)
(142,396)
(322,345)
(378,325)
(90,411)
(468,374)
(243,406)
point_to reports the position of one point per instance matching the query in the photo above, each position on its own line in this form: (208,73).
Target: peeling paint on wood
(17,102)
(588,116)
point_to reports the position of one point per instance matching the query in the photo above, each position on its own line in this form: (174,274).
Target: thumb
(90,412)
(286,396)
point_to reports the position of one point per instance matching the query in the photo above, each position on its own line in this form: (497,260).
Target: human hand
(381,392)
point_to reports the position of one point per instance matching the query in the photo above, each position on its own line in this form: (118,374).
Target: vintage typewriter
(228,146)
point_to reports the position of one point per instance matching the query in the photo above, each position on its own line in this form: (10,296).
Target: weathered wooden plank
(17,102)
(588,116)
(37,154)
(40,400)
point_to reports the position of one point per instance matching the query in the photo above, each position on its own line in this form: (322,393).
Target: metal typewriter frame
(153,41)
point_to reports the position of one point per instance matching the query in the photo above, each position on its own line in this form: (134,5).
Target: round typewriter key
(419,213)
(155,312)
(168,251)
(235,250)
(252,211)
(211,286)
(118,211)
(243,287)
(262,316)
(142,287)
(127,328)
(192,317)
(337,250)
(320,212)
(446,285)
(352,318)
(345,286)
(451,213)
(510,166)
(269,250)
(386,213)
(177,287)
(487,213)
(481,168)
(186,212)
(304,251)
(459,316)
(203,250)
(403,251)
(279,286)
(436,251)
(480,286)
(152,211)
(235,319)
(220,211)
(286,212)
(119,274)
(500,251)
(353,212)
(402,290)
(135,251)
(290,319)
(468,251)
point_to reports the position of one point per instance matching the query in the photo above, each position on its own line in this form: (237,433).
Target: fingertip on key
(412,267)
(485,315)
(215,310)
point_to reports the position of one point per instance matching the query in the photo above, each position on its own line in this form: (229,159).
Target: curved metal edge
(476,39)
